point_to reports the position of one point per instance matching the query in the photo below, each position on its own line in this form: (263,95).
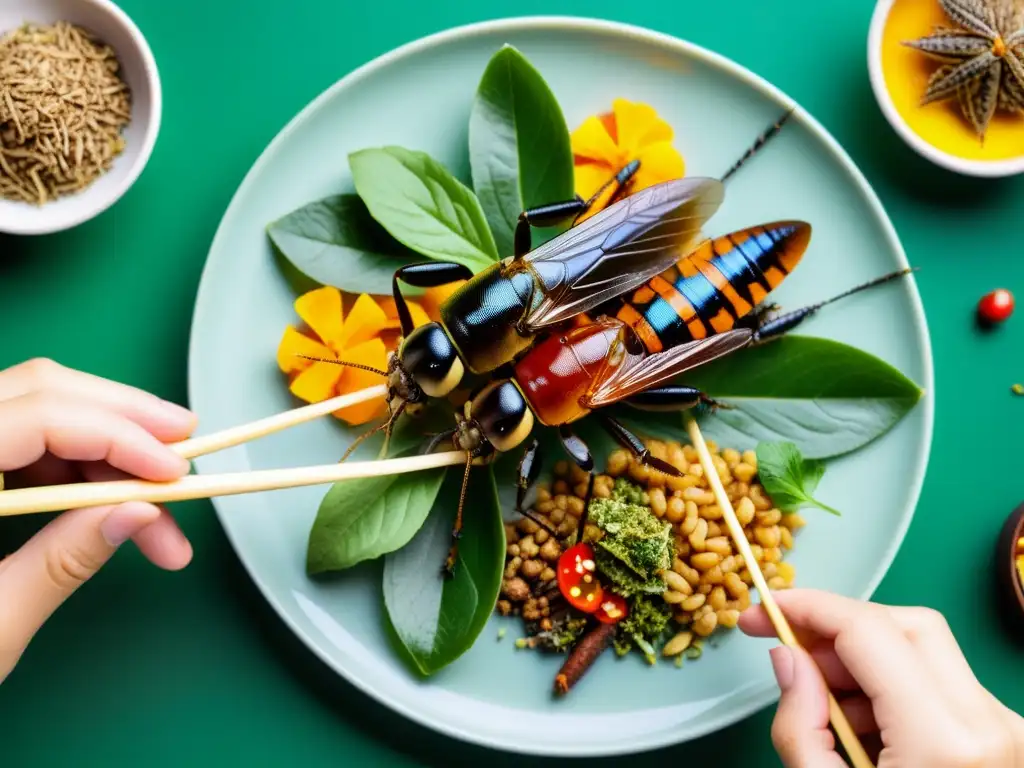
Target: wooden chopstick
(854,749)
(228,438)
(56,498)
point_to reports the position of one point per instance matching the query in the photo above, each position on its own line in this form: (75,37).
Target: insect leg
(428,274)
(778,326)
(633,444)
(580,454)
(453,552)
(672,398)
(758,144)
(570,210)
(529,471)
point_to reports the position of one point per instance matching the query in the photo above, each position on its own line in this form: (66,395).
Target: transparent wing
(620,248)
(642,372)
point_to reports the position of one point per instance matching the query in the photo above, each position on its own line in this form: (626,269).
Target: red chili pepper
(996,306)
(577,578)
(612,609)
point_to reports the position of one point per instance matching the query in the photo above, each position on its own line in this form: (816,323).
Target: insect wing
(620,248)
(641,372)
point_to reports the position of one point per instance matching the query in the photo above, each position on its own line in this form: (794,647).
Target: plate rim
(762,698)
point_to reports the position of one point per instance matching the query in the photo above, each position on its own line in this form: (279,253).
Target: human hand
(58,425)
(897,673)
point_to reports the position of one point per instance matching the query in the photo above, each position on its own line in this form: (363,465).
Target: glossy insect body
(564,378)
(716,286)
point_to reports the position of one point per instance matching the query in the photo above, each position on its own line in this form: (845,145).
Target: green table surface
(150,668)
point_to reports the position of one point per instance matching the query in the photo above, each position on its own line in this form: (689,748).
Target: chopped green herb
(629,492)
(501,633)
(645,625)
(634,535)
(789,478)
(624,580)
(679,661)
(1018,389)
(563,635)
(521,642)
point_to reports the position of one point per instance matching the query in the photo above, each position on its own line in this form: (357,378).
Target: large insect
(562,379)
(617,359)
(499,312)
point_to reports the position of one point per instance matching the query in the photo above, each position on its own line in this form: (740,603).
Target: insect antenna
(385,427)
(361,367)
(783,324)
(763,139)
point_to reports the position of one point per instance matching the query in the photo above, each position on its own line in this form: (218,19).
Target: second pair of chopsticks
(57,498)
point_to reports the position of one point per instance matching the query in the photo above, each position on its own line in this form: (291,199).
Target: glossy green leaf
(335,241)
(519,147)
(423,206)
(788,477)
(825,396)
(435,619)
(362,519)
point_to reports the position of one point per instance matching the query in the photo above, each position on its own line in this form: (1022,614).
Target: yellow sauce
(940,124)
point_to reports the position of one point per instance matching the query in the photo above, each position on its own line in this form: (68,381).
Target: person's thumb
(39,577)
(800,730)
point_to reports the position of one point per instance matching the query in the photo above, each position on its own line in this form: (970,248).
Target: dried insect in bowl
(1009,567)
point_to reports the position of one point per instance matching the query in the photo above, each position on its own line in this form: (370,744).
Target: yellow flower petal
(433,298)
(590,177)
(321,310)
(373,354)
(294,344)
(592,142)
(637,126)
(365,320)
(658,163)
(387,305)
(317,383)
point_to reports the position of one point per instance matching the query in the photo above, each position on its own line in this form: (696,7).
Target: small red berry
(577,578)
(996,306)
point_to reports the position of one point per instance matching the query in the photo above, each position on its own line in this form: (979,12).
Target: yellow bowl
(937,131)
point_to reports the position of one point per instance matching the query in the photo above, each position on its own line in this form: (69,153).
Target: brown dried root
(590,646)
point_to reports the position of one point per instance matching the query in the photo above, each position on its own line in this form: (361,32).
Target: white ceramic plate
(419,96)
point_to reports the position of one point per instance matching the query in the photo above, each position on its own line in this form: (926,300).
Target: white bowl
(138,68)
(983,168)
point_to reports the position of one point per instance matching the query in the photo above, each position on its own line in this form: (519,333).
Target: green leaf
(362,519)
(519,147)
(423,206)
(825,396)
(789,478)
(436,619)
(335,241)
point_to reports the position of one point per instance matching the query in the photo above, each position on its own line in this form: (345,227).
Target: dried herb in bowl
(63,106)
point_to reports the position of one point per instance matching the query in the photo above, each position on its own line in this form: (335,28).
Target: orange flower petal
(321,310)
(658,162)
(317,383)
(592,142)
(365,320)
(433,298)
(371,353)
(294,344)
(387,305)
(638,125)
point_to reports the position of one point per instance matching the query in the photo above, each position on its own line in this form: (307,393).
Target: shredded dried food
(63,106)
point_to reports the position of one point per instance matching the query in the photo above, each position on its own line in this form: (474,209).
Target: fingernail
(126,520)
(178,411)
(782,664)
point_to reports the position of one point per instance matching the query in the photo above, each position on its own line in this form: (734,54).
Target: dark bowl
(1006,565)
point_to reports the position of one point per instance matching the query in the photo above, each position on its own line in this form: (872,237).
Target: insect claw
(713,404)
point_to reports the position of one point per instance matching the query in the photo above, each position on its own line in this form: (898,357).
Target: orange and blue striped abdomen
(716,285)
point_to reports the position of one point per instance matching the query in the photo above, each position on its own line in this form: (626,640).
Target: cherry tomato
(996,306)
(612,609)
(577,578)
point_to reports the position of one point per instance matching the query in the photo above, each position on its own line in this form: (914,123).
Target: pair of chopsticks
(854,749)
(57,498)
